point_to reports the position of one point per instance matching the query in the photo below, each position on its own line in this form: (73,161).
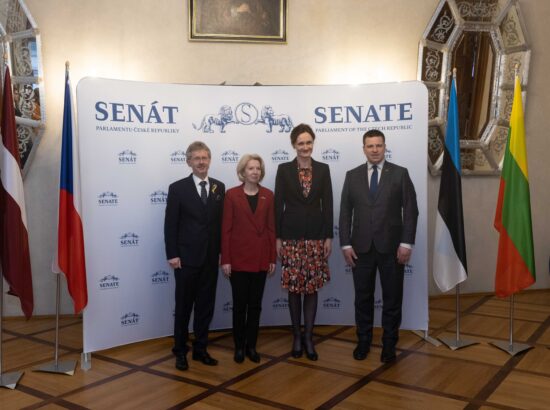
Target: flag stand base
(7,380)
(512,349)
(10,380)
(454,344)
(423,334)
(65,367)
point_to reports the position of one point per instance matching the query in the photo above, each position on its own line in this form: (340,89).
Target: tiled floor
(143,376)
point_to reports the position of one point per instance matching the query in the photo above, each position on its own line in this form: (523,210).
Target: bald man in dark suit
(378,216)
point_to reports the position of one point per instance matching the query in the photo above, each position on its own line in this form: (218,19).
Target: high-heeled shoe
(311,354)
(297,353)
(252,354)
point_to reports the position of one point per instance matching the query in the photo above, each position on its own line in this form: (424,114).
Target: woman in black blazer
(303,223)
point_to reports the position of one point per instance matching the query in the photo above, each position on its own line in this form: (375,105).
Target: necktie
(204,196)
(373,186)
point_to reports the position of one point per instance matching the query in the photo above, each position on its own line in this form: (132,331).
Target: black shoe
(205,358)
(297,353)
(361,351)
(388,354)
(298,342)
(313,356)
(252,354)
(181,363)
(239,355)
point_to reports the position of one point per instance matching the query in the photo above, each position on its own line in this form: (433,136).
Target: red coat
(248,239)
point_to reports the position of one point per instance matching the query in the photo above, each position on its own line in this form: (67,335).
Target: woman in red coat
(248,251)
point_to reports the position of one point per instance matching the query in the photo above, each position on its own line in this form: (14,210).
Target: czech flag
(70,242)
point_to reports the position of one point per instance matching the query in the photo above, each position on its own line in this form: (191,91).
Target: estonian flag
(449,261)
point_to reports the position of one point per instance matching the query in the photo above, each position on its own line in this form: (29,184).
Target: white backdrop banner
(133,138)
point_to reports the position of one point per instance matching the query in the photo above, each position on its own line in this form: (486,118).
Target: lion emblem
(269,118)
(224,117)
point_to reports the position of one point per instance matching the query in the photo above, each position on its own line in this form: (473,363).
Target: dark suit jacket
(297,217)
(388,220)
(248,239)
(191,229)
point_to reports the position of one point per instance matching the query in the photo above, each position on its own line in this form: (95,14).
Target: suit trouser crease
(247,289)
(195,291)
(391,280)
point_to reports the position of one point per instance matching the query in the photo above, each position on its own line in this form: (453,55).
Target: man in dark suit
(192,230)
(378,216)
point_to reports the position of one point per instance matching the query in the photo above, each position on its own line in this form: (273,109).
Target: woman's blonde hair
(242,165)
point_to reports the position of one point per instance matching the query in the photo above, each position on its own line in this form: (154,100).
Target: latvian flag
(14,238)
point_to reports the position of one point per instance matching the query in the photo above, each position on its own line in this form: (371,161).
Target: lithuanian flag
(516,261)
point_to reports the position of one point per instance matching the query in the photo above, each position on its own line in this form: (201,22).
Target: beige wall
(329,42)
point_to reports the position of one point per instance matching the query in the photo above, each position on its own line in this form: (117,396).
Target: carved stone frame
(21,51)
(503,20)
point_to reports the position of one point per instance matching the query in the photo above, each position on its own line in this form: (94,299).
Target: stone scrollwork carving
(432,65)
(433,100)
(478,9)
(487,40)
(510,32)
(435,144)
(21,46)
(22,62)
(443,26)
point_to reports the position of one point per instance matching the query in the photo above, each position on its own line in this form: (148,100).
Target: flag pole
(7,380)
(456,342)
(66,367)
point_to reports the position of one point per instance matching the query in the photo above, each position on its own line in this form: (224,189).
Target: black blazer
(386,221)
(297,217)
(191,229)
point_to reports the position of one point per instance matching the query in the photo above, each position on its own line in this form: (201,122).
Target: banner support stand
(510,347)
(85,361)
(66,367)
(456,342)
(7,380)
(423,334)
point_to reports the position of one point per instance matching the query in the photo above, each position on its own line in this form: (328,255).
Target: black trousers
(364,280)
(195,289)
(248,290)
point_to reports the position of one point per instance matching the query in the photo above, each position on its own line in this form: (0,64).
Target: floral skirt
(305,268)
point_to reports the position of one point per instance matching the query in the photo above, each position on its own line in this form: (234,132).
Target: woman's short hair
(244,161)
(300,129)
